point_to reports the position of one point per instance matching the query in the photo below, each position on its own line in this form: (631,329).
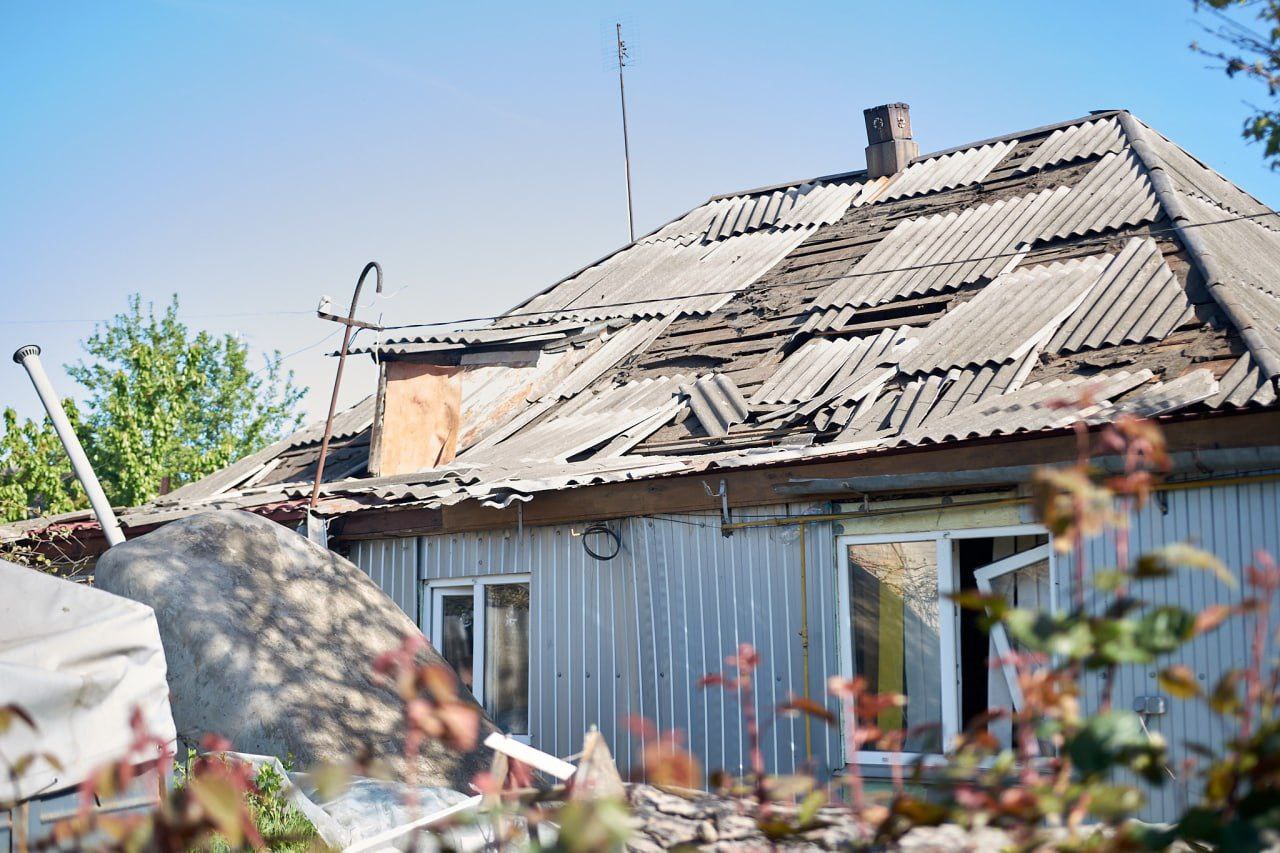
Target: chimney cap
(888,122)
(890,148)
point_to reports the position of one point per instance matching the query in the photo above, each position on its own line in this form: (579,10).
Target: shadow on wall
(270,641)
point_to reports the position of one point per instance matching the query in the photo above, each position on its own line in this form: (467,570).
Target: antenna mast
(626,146)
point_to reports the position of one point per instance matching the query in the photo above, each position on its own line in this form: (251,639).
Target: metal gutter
(1267,358)
(1221,458)
(786,521)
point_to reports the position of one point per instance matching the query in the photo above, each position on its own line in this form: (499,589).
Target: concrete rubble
(707,822)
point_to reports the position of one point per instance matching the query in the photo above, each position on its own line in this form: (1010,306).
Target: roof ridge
(853,173)
(1171,200)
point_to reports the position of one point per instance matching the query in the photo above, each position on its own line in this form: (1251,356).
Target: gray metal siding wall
(1232,522)
(393,565)
(631,636)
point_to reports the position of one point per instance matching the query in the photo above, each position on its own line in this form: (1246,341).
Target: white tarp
(78,660)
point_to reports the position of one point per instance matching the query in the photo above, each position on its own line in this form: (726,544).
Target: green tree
(35,476)
(1252,52)
(163,403)
(166,404)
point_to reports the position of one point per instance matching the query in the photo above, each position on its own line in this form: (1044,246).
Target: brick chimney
(890,148)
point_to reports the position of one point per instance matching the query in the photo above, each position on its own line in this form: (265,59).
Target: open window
(481,627)
(901,631)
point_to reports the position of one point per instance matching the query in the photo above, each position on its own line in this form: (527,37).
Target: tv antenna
(623,61)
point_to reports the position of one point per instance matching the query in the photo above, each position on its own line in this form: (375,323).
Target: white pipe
(29,358)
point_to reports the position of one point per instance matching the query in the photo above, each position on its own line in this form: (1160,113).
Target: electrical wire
(282,359)
(811,281)
(183,317)
(755,287)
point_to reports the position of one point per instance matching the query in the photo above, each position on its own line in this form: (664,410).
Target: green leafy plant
(1251,52)
(164,406)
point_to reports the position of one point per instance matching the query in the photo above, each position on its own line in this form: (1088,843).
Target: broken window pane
(506,644)
(894,596)
(457,634)
(986,682)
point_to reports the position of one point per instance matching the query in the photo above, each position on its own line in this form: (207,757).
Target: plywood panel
(418,418)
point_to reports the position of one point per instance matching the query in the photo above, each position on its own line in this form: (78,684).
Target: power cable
(808,282)
(183,317)
(282,359)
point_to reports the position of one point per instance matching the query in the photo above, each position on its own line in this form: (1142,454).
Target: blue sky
(251,157)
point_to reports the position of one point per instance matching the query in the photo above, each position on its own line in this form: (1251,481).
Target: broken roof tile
(1115,192)
(1075,142)
(716,402)
(934,174)
(1007,318)
(1242,385)
(1138,298)
(928,266)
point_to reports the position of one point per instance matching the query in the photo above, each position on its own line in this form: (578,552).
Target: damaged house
(799,417)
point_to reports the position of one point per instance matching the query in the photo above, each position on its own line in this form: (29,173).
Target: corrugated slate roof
(1007,318)
(957,169)
(1243,385)
(1115,192)
(935,253)
(808,370)
(1076,142)
(716,402)
(663,278)
(1138,298)
(970,294)
(1247,253)
(795,207)
(1032,407)
(1247,257)
(1194,178)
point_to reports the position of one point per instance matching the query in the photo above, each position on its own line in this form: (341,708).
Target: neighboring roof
(964,297)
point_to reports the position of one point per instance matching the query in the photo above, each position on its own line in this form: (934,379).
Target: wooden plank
(418,427)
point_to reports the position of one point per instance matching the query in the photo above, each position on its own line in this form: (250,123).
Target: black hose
(607,531)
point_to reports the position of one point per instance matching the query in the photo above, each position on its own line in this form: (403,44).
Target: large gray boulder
(270,641)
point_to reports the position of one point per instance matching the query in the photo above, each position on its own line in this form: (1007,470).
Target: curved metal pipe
(337,379)
(29,358)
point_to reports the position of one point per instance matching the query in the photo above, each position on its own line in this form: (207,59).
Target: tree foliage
(1253,53)
(35,477)
(163,403)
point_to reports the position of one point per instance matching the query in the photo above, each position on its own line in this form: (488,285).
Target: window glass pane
(894,598)
(1029,588)
(506,652)
(457,633)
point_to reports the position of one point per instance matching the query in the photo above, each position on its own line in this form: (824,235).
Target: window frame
(432,609)
(948,620)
